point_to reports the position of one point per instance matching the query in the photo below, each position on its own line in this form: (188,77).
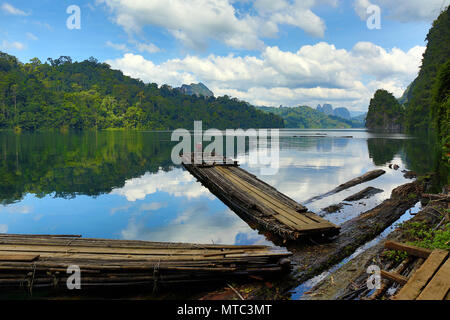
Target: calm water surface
(122,185)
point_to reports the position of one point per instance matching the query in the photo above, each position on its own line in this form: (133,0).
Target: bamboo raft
(42,261)
(255,201)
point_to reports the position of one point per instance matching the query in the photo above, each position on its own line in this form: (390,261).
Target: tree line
(62,94)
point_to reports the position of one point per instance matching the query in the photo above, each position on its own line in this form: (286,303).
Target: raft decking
(42,260)
(255,201)
(431,281)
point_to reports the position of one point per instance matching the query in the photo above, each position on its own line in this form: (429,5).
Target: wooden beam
(394,277)
(412,250)
(19,257)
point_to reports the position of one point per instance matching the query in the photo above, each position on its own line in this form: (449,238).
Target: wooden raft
(257,202)
(431,281)
(42,261)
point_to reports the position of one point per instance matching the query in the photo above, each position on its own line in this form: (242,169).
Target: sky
(272,53)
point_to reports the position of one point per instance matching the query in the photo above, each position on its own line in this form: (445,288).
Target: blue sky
(267,52)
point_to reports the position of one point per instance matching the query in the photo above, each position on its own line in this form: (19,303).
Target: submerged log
(333,208)
(409,174)
(351,183)
(363,194)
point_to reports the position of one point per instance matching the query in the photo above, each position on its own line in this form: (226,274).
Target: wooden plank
(318,219)
(394,277)
(148,258)
(112,245)
(41,235)
(264,195)
(304,227)
(19,257)
(223,253)
(438,287)
(251,178)
(422,276)
(131,244)
(284,210)
(246,199)
(412,250)
(112,251)
(300,222)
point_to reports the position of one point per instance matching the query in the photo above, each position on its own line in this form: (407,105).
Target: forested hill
(63,94)
(305,117)
(385,112)
(421,105)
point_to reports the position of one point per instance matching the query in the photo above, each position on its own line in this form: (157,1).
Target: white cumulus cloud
(314,74)
(195,22)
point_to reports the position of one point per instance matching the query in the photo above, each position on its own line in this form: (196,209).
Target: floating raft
(42,261)
(255,201)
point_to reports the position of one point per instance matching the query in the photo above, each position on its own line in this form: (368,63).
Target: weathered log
(333,208)
(409,174)
(363,194)
(351,183)
(439,197)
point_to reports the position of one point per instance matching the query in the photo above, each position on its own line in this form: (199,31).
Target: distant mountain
(338,112)
(197,89)
(304,117)
(326,108)
(342,113)
(360,118)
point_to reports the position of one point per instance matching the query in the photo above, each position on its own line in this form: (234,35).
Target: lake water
(123,185)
